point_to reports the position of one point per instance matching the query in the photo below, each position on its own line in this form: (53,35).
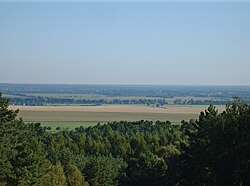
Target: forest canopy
(212,150)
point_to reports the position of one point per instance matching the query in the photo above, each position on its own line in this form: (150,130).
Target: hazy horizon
(132,85)
(184,43)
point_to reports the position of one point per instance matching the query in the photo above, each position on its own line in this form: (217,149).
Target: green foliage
(213,150)
(75,177)
(103,171)
(7,140)
(219,147)
(21,154)
(54,176)
(6,115)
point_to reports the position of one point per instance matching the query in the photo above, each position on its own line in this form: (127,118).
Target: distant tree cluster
(200,102)
(213,150)
(157,102)
(39,101)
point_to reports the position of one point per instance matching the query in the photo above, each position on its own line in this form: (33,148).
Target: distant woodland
(151,95)
(158,102)
(212,150)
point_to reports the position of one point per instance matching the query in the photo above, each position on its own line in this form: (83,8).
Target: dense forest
(212,150)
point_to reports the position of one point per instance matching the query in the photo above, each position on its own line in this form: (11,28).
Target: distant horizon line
(126,84)
(125,1)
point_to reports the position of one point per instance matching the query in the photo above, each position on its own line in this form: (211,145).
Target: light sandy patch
(190,109)
(171,109)
(104,108)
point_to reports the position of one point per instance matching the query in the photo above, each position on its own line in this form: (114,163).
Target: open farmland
(108,113)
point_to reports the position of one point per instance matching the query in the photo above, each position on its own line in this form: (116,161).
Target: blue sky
(125,43)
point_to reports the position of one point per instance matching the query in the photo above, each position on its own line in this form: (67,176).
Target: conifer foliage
(212,150)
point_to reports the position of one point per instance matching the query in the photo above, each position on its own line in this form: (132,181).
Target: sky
(184,43)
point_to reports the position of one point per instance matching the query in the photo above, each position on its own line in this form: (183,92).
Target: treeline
(39,101)
(200,102)
(213,150)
